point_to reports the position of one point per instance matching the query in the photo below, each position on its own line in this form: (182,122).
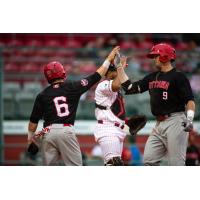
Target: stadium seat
(32,87)
(94,162)
(46,52)
(15,42)
(25,101)
(11,87)
(127,45)
(131,105)
(133,101)
(86,110)
(88,67)
(144,101)
(9,105)
(34,43)
(29,67)
(53,43)
(70,43)
(2,43)
(11,67)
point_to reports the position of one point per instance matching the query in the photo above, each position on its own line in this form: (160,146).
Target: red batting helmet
(165,51)
(54,70)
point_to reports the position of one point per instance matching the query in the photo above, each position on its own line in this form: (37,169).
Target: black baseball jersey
(169,91)
(57,104)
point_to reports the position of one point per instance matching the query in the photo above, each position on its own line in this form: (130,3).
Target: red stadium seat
(52,43)
(145,45)
(88,67)
(128,45)
(29,67)
(34,43)
(15,42)
(11,67)
(2,43)
(71,43)
(67,67)
(181,46)
(46,52)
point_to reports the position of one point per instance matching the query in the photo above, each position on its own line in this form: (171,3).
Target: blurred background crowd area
(24,55)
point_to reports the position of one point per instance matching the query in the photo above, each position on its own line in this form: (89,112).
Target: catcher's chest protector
(118,107)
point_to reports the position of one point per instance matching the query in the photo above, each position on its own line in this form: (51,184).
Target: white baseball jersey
(109,137)
(104,96)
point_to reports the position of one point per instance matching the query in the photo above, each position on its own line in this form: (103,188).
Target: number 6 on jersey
(61,108)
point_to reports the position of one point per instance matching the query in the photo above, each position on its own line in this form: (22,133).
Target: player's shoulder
(151,75)
(179,74)
(39,95)
(104,84)
(177,71)
(44,92)
(180,77)
(69,85)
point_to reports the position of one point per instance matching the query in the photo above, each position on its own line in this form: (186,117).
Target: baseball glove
(136,123)
(33,148)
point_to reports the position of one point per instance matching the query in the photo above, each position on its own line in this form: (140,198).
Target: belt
(117,124)
(100,107)
(60,125)
(47,129)
(161,118)
(67,124)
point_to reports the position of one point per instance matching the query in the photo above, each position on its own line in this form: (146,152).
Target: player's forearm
(116,84)
(122,75)
(31,129)
(126,84)
(190,108)
(104,68)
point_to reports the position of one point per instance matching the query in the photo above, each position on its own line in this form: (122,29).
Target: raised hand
(123,61)
(113,53)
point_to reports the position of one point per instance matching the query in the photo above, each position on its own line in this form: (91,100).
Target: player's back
(58,102)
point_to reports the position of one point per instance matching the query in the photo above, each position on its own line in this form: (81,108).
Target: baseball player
(57,105)
(172,104)
(110,114)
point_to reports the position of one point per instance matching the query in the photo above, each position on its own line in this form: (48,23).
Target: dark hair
(55,79)
(111,68)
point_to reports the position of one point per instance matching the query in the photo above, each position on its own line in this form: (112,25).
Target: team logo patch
(84,82)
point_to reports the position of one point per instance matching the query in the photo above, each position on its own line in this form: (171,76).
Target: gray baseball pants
(167,138)
(61,142)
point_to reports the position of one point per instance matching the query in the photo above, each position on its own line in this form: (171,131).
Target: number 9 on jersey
(165,95)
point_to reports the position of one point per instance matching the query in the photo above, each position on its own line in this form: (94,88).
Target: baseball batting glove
(188,125)
(33,148)
(136,123)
